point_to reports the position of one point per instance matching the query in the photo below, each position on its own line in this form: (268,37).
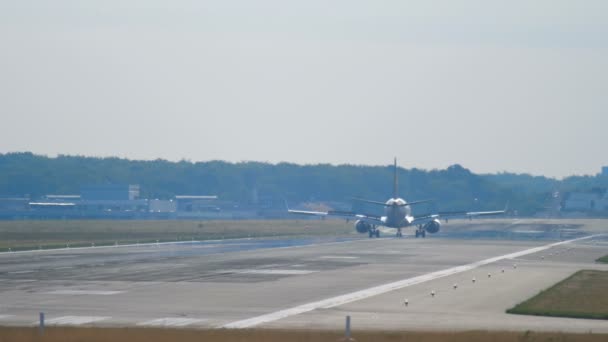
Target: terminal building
(111,199)
(122,201)
(13,207)
(589,202)
(94,201)
(196,203)
(110,192)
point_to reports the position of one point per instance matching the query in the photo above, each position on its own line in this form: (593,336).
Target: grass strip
(32,234)
(582,295)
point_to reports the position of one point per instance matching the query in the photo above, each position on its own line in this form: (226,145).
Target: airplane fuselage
(396,213)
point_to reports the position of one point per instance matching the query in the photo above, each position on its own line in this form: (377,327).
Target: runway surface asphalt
(309,282)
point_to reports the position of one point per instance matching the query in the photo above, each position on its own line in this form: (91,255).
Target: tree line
(453,188)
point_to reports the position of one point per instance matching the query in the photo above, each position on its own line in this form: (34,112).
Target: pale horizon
(492,86)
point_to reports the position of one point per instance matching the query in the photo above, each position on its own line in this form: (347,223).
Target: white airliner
(397,214)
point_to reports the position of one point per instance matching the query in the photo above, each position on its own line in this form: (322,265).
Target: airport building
(122,201)
(586,202)
(162,206)
(196,203)
(17,204)
(110,192)
(94,201)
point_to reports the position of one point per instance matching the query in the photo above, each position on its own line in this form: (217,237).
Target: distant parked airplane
(397,214)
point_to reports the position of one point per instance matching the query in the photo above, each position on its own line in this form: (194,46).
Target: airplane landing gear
(420,232)
(374,232)
(399,233)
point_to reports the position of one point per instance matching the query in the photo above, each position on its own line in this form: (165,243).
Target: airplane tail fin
(286,205)
(395,179)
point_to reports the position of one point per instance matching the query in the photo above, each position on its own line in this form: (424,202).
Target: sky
(516,85)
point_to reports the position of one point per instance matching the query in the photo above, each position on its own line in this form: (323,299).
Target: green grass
(582,295)
(603,259)
(27,235)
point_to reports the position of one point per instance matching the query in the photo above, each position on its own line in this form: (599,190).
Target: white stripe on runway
(171,322)
(74,320)
(377,290)
(84,292)
(337,257)
(156,244)
(21,272)
(6,316)
(268,271)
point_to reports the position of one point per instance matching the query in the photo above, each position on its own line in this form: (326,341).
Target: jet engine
(433,226)
(362,227)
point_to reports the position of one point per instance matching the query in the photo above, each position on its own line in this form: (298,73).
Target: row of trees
(455,188)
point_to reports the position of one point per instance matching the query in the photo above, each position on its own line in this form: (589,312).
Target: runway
(309,282)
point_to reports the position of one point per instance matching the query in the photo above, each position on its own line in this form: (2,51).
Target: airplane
(397,215)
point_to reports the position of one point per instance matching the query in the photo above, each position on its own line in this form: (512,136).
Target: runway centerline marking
(22,272)
(269,271)
(338,257)
(381,289)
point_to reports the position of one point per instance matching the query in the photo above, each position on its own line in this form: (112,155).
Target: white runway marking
(74,320)
(338,257)
(84,292)
(171,322)
(6,316)
(377,290)
(192,243)
(21,272)
(269,272)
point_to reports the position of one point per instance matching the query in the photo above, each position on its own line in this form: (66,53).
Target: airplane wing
(455,214)
(424,219)
(485,213)
(372,219)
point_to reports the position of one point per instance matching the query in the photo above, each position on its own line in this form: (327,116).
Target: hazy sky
(515,85)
